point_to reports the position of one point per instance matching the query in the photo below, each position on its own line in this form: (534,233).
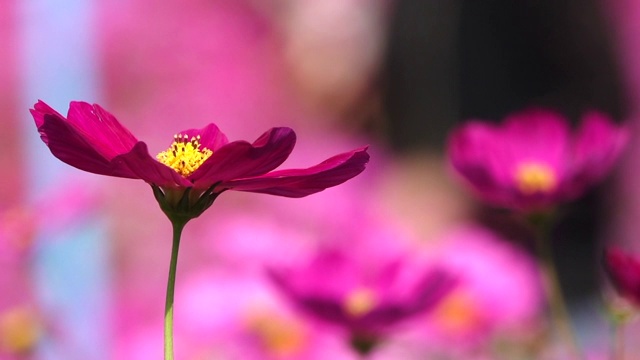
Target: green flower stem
(617,342)
(559,312)
(168,308)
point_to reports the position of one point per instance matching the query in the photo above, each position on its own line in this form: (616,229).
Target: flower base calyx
(182,205)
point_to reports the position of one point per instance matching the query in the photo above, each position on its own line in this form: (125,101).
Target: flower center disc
(532,178)
(359,302)
(184,155)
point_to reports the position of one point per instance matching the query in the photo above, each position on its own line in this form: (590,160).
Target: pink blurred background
(87,256)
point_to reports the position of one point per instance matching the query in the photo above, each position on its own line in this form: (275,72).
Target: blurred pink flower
(91,139)
(499,292)
(365,288)
(532,161)
(624,272)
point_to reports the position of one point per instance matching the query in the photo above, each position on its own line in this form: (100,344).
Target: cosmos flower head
(623,270)
(533,160)
(364,290)
(198,165)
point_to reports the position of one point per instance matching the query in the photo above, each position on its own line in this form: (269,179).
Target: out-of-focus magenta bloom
(533,161)
(624,272)
(91,139)
(363,289)
(499,293)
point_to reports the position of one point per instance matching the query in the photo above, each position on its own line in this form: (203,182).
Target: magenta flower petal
(624,273)
(72,146)
(303,182)
(538,134)
(143,166)
(471,153)
(100,128)
(239,159)
(40,109)
(598,145)
(210,137)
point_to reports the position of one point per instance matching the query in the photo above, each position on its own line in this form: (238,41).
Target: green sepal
(188,207)
(363,344)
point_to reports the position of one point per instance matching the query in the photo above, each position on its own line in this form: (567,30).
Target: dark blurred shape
(453,60)
(553,53)
(420,94)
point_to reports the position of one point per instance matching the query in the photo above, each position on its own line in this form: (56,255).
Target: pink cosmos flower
(624,272)
(365,289)
(199,164)
(533,161)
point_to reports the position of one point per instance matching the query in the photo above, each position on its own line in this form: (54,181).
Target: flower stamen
(184,155)
(535,178)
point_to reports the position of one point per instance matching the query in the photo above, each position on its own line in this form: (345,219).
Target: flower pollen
(184,155)
(532,178)
(360,301)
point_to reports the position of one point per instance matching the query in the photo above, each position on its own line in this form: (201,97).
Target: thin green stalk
(559,312)
(168,308)
(617,342)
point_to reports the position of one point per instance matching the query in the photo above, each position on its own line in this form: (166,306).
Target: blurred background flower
(534,161)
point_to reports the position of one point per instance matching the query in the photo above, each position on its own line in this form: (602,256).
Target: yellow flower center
(457,312)
(532,178)
(279,336)
(19,330)
(360,301)
(184,155)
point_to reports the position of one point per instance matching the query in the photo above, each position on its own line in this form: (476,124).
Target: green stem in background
(617,339)
(620,314)
(559,312)
(168,308)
